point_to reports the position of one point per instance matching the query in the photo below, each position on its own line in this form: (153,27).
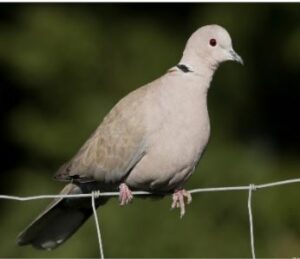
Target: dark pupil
(213,42)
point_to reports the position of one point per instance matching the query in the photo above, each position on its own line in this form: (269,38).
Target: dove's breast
(179,130)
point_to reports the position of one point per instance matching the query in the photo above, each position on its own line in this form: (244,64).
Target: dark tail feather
(59,220)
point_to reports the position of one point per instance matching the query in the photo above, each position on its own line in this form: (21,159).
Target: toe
(174,202)
(188,197)
(125,194)
(180,199)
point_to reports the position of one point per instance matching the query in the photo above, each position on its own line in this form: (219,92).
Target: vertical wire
(94,194)
(251,188)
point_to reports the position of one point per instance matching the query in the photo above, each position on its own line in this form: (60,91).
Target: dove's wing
(115,147)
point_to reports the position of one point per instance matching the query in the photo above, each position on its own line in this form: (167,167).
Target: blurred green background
(62,67)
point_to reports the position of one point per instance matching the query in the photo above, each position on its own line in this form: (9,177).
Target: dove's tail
(59,220)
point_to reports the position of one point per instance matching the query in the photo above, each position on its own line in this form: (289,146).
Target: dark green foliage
(62,67)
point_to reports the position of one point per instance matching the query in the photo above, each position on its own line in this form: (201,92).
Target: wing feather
(115,146)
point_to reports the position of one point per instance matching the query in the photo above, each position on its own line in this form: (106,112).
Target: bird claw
(179,202)
(125,194)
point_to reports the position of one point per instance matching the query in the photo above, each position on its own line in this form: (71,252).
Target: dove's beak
(235,57)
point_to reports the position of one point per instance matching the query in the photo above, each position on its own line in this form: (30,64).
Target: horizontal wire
(192,191)
(96,194)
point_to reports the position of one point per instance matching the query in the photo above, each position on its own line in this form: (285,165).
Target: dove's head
(209,45)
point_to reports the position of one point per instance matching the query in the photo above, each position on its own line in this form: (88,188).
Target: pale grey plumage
(115,146)
(151,140)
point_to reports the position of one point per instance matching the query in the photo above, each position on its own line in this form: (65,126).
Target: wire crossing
(97,194)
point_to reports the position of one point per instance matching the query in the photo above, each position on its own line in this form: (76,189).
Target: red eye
(213,42)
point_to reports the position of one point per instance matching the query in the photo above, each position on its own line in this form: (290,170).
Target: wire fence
(97,194)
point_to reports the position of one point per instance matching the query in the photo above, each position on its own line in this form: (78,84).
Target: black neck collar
(184,68)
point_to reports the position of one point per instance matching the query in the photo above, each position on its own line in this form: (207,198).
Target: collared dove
(151,140)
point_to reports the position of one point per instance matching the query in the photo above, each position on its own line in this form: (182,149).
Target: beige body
(151,140)
(165,121)
(181,127)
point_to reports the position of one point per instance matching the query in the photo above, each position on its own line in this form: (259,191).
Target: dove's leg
(125,194)
(178,200)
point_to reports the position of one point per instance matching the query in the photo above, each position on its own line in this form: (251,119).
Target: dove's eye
(212,42)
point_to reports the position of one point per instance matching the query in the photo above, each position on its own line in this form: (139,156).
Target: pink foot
(178,200)
(125,194)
